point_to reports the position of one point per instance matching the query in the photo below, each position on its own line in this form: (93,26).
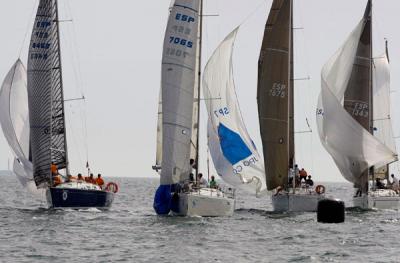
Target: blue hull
(79,198)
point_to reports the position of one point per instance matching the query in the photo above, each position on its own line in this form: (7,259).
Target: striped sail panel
(45,95)
(273,93)
(178,84)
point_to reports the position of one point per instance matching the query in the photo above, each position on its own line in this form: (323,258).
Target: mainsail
(274,94)
(340,109)
(234,155)
(196,110)
(45,95)
(178,85)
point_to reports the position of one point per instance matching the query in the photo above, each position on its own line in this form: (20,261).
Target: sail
(381,97)
(353,148)
(273,93)
(45,95)
(14,115)
(178,84)
(234,155)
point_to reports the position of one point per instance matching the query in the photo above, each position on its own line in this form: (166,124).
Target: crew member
(309,181)
(213,183)
(303,174)
(202,181)
(99,181)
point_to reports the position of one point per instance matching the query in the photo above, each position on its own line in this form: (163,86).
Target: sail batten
(273,94)
(45,95)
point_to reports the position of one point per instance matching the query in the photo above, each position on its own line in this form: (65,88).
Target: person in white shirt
(202,181)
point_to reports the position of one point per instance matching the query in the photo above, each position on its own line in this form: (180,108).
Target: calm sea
(131,232)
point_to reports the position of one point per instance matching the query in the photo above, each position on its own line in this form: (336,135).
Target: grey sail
(45,95)
(178,85)
(358,94)
(273,94)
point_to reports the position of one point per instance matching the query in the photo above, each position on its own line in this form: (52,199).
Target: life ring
(112,187)
(320,189)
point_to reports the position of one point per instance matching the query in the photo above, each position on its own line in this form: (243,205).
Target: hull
(298,202)
(380,199)
(206,202)
(62,197)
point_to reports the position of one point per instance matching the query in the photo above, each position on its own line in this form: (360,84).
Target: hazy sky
(112,54)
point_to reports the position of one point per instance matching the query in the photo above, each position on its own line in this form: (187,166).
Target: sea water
(131,231)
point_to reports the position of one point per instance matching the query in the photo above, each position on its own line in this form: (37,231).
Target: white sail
(178,84)
(338,131)
(382,121)
(14,120)
(234,155)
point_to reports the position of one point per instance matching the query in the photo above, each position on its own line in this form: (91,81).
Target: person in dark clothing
(379,184)
(309,182)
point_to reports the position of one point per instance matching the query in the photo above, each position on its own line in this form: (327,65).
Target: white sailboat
(178,127)
(276,113)
(353,116)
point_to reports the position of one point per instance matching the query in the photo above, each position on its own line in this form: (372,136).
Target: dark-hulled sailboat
(276,110)
(358,137)
(47,133)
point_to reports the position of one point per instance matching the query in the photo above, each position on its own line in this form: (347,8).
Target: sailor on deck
(202,181)
(99,181)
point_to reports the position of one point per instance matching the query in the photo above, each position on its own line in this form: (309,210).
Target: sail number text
(181,41)
(221,112)
(360,109)
(184,18)
(278,90)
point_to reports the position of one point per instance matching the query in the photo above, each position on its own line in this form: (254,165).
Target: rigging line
(32,17)
(262,2)
(79,80)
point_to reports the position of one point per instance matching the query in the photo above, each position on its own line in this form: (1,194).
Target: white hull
(206,202)
(298,202)
(379,199)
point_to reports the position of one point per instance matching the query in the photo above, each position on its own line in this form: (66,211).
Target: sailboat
(353,116)
(275,97)
(178,127)
(43,131)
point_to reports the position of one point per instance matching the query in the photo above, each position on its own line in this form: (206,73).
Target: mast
(62,90)
(199,87)
(371,88)
(291,136)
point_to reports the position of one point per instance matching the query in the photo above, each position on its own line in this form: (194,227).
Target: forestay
(45,95)
(14,121)
(234,155)
(339,131)
(178,84)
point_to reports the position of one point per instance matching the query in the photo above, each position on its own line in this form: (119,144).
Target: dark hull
(79,198)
